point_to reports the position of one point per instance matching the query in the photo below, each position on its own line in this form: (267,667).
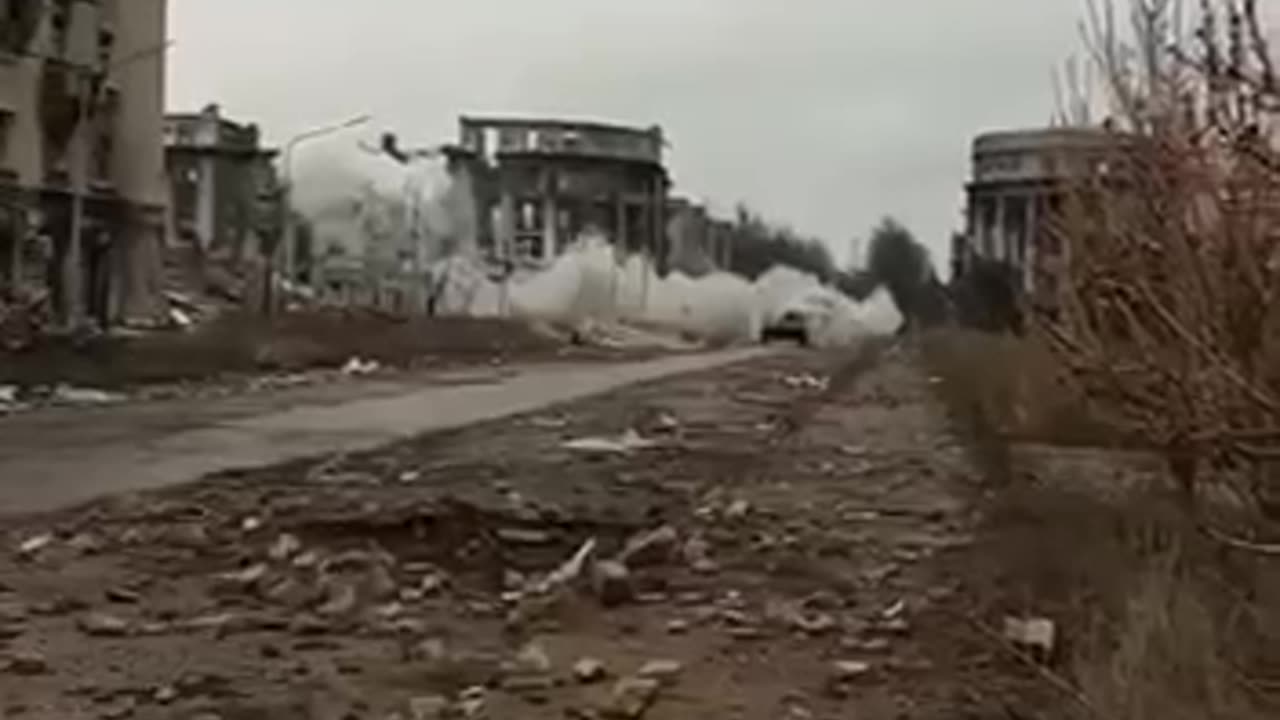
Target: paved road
(56,458)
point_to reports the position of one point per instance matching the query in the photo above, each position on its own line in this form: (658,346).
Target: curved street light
(289,232)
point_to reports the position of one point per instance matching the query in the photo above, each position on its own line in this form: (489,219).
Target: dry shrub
(1011,386)
(1168,310)
(1153,623)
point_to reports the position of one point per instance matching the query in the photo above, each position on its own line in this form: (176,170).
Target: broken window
(103,150)
(19,20)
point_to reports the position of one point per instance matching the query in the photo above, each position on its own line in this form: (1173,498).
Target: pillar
(620,229)
(205,202)
(504,233)
(1033,239)
(137,164)
(550,227)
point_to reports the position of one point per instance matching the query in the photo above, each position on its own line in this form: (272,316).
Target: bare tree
(1169,311)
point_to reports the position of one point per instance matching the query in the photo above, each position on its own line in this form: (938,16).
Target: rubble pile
(506,572)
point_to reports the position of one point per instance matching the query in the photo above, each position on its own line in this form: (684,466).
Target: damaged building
(540,183)
(222,183)
(83,189)
(1016,183)
(697,242)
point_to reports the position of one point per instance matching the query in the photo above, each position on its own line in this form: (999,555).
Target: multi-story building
(82,179)
(539,183)
(697,243)
(1017,182)
(222,182)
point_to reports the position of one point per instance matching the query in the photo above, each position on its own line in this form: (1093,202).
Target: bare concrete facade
(697,242)
(539,183)
(81,110)
(222,182)
(1016,183)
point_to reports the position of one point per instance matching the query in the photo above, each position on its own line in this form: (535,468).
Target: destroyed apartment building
(83,189)
(539,184)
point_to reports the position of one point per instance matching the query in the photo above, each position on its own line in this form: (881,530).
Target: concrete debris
(589,670)
(843,671)
(98,624)
(1035,634)
(25,662)
(471,703)
(653,547)
(71,395)
(894,611)
(666,672)
(180,319)
(611,582)
(32,546)
(544,422)
(677,627)
(356,367)
(428,707)
(122,595)
(805,382)
(631,698)
(737,510)
(567,572)
(626,443)
(165,694)
(697,554)
(285,547)
(531,660)
(341,601)
(524,536)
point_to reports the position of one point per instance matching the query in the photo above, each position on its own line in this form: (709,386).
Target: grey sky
(825,114)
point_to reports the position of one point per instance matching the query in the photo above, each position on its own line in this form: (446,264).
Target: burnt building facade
(82,179)
(538,184)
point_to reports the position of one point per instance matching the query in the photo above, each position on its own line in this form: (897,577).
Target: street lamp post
(289,228)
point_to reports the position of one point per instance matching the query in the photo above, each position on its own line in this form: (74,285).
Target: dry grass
(1013,386)
(1159,622)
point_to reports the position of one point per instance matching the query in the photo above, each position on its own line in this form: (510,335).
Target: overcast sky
(825,114)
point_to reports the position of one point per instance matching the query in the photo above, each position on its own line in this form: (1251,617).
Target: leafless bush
(1168,310)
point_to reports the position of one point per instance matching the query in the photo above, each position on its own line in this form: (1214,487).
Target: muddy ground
(783,538)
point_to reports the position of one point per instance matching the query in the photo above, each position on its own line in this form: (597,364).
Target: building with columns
(83,188)
(1016,183)
(539,183)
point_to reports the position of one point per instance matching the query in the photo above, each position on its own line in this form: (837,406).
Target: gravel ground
(773,539)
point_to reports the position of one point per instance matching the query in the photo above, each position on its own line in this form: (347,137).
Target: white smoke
(364,200)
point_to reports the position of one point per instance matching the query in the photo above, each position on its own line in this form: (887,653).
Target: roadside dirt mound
(242,343)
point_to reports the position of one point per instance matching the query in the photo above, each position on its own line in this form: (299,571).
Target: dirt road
(776,540)
(62,456)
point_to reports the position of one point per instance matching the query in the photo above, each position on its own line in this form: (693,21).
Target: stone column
(550,234)
(206,203)
(1000,238)
(1033,240)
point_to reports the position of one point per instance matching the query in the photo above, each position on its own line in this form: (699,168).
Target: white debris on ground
(72,395)
(357,366)
(628,442)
